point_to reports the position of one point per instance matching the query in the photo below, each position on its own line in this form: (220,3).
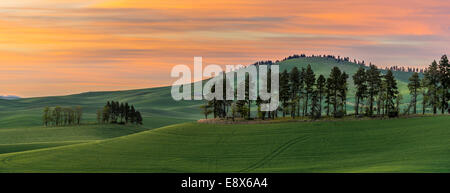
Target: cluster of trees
(374,88)
(434,87)
(338,58)
(405,69)
(59,116)
(301,94)
(119,113)
(347,59)
(236,108)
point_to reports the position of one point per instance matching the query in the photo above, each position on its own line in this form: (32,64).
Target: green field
(396,145)
(171,141)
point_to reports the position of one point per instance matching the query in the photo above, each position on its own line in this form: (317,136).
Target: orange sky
(50,47)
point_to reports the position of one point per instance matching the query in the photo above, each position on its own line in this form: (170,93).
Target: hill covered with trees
(374,91)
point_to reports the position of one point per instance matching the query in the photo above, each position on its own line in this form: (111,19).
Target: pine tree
(424,92)
(328,88)
(138,118)
(295,86)
(284,91)
(321,81)
(444,76)
(391,91)
(126,111)
(310,79)
(432,83)
(133,114)
(334,79)
(343,92)
(315,105)
(79,114)
(414,86)
(46,116)
(360,81)
(373,85)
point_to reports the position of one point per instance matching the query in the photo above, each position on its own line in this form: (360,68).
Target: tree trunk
(320,103)
(306,105)
(249,110)
(444,93)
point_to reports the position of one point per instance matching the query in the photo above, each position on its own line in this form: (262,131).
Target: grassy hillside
(156,104)
(28,138)
(396,145)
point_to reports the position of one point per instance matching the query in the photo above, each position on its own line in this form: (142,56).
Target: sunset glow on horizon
(52,48)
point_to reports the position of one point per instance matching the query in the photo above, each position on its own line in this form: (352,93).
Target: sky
(53,47)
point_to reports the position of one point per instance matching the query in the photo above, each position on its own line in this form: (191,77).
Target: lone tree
(414,86)
(206,109)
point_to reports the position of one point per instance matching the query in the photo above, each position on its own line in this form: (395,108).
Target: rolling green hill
(156,104)
(28,138)
(395,145)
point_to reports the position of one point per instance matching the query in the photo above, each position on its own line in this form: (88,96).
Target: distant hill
(9,97)
(156,104)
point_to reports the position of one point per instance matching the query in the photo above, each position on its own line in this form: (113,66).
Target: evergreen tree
(360,81)
(127,110)
(46,116)
(444,76)
(373,85)
(321,81)
(432,83)
(295,86)
(138,118)
(248,85)
(391,91)
(315,105)
(424,92)
(132,114)
(310,79)
(343,92)
(78,114)
(334,81)
(328,95)
(284,91)
(414,86)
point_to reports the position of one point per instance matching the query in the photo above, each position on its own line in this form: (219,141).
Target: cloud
(121,44)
